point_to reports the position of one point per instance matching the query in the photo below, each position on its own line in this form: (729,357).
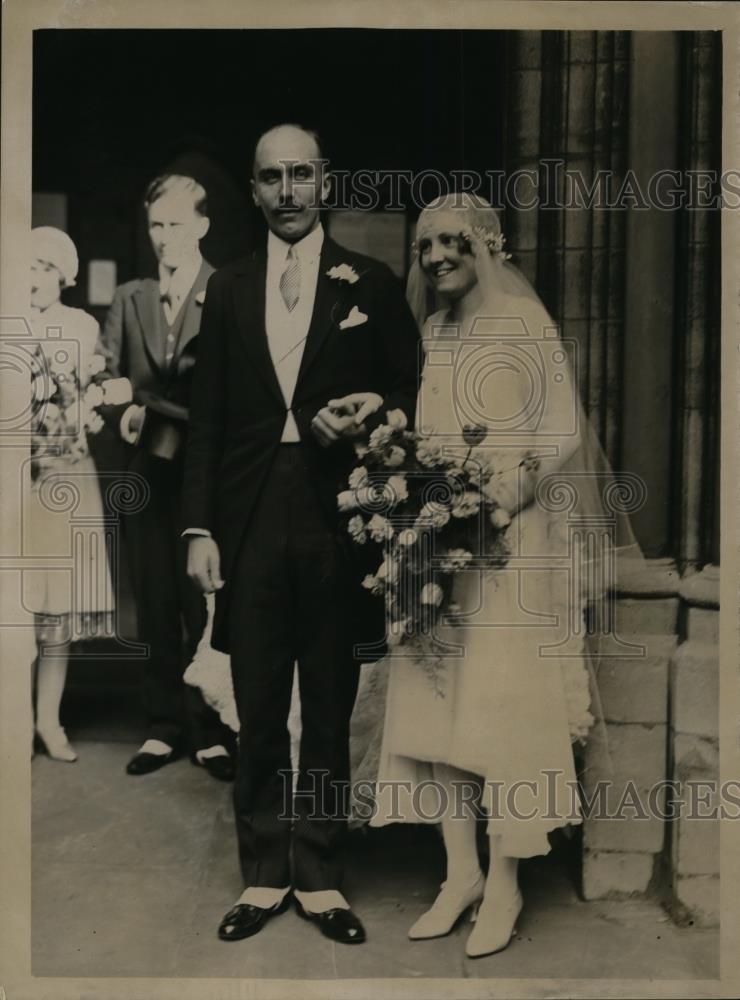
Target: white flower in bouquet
(70,405)
(388,570)
(433,514)
(397,489)
(372,583)
(346,500)
(52,416)
(94,396)
(356,529)
(95,424)
(397,420)
(407,537)
(455,559)
(428,453)
(432,594)
(380,528)
(366,498)
(380,437)
(455,472)
(500,518)
(396,457)
(358,477)
(95,365)
(466,504)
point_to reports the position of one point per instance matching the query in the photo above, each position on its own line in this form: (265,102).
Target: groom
(298,324)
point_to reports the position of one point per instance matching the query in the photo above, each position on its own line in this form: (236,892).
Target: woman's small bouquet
(431,512)
(62,413)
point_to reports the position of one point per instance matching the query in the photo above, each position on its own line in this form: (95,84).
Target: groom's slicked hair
(301,128)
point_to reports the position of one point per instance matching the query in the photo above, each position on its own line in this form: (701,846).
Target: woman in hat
(69,589)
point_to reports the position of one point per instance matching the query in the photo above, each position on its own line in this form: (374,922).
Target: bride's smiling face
(445,258)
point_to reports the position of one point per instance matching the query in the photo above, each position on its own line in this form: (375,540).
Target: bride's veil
(606,557)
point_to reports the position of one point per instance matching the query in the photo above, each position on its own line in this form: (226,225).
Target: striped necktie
(290,280)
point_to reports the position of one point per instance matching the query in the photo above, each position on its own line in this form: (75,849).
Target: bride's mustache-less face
(446,260)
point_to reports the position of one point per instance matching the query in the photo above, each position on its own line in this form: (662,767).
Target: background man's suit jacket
(237,410)
(134,341)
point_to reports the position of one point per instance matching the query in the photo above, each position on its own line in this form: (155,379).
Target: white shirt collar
(307,249)
(180,280)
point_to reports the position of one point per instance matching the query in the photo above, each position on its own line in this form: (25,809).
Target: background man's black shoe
(245,919)
(338,924)
(145,763)
(221,767)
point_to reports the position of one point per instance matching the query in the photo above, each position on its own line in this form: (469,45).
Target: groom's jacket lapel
(328,292)
(249,308)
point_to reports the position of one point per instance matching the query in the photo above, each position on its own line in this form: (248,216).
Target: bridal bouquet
(62,413)
(430,512)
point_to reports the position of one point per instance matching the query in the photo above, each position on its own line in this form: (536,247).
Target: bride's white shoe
(447,909)
(496,924)
(57,745)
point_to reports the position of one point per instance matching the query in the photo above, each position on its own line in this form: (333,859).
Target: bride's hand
(486,263)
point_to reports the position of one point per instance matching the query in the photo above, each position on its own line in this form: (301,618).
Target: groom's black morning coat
(237,409)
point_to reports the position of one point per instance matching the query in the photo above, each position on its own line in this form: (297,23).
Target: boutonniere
(200,297)
(354,318)
(343,272)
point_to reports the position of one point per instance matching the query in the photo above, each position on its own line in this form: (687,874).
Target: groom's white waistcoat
(287,330)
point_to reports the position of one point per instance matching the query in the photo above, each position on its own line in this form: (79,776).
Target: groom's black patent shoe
(145,763)
(338,924)
(220,767)
(246,919)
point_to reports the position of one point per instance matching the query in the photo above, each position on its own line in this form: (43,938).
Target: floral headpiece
(494,241)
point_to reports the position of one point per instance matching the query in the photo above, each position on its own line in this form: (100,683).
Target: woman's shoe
(447,909)
(57,745)
(495,926)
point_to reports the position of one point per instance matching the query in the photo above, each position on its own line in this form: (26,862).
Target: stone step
(636,689)
(695,688)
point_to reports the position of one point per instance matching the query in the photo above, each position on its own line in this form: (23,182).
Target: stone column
(620,856)
(568,123)
(699,303)
(694,841)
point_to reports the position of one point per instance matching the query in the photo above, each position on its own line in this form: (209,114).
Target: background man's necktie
(290,280)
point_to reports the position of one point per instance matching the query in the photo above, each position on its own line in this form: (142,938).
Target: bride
(514,683)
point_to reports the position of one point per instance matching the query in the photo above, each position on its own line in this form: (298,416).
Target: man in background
(149,339)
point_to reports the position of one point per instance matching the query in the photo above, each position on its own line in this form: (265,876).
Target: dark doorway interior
(113,108)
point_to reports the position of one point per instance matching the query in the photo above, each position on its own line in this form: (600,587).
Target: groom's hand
(360,405)
(345,417)
(328,427)
(204,564)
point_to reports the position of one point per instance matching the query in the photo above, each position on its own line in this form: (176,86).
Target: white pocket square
(355,318)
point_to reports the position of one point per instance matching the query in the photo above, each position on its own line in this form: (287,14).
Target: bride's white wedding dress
(508,709)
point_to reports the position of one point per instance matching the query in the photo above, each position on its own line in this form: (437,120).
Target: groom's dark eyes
(299,173)
(269,176)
